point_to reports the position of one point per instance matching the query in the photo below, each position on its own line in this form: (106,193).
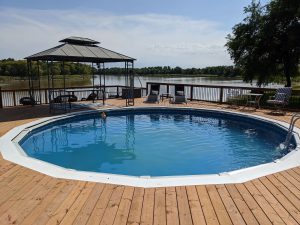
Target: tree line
(18,68)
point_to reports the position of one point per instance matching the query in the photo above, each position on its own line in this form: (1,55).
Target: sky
(189,33)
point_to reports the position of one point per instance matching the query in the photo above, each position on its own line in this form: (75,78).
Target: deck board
(28,197)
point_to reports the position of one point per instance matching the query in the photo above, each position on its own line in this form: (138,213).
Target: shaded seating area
(75,50)
(280,99)
(153,96)
(179,95)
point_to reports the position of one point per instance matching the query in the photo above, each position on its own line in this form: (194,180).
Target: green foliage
(18,68)
(224,71)
(266,44)
(11,67)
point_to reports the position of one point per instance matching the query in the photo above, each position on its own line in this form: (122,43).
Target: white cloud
(151,38)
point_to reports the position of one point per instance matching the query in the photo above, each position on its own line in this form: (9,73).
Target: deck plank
(195,206)
(218,205)
(21,207)
(53,205)
(287,183)
(206,205)
(101,205)
(64,207)
(124,208)
(40,208)
(252,204)
(20,192)
(231,208)
(148,207)
(284,214)
(264,204)
(282,199)
(85,212)
(134,217)
(292,197)
(160,207)
(185,216)
(78,204)
(171,206)
(112,207)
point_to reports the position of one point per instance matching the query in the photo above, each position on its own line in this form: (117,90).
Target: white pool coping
(12,151)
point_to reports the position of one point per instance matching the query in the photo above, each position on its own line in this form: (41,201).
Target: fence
(223,94)
(209,93)
(12,97)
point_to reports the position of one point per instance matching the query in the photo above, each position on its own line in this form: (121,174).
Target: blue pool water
(156,142)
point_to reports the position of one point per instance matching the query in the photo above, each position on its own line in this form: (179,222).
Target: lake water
(139,81)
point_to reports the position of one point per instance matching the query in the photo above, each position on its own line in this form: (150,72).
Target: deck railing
(223,94)
(12,97)
(194,92)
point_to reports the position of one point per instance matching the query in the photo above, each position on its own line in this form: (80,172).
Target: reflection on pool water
(156,142)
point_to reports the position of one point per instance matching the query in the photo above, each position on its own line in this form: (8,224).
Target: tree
(265,44)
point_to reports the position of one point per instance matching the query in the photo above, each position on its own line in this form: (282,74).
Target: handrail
(43,89)
(289,135)
(215,86)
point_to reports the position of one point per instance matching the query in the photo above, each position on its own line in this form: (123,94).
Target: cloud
(153,39)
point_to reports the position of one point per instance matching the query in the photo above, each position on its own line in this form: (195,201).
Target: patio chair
(153,96)
(234,97)
(179,96)
(65,98)
(91,97)
(280,99)
(27,101)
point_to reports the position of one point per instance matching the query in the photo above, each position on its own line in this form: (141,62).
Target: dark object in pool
(27,101)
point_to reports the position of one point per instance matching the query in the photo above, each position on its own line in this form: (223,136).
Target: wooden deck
(28,197)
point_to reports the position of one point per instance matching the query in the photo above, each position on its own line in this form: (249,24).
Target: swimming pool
(154,142)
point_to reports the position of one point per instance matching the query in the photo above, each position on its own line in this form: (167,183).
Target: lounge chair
(179,96)
(153,96)
(280,99)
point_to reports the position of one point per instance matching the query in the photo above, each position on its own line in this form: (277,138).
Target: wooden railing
(223,94)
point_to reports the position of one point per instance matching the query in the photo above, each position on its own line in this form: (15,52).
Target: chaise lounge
(153,96)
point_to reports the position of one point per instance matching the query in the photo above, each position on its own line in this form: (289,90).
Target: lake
(142,80)
(139,81)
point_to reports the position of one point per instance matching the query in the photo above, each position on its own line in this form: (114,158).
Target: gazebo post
(49,91)
(93,81)
(52,85)
(39,77)
(104,88)
(64,78)
(28,76)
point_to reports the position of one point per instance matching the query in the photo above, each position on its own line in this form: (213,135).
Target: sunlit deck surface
(29,197)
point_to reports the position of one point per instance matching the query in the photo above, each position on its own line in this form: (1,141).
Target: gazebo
(80,50)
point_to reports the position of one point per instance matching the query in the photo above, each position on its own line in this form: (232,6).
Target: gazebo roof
(78,49)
